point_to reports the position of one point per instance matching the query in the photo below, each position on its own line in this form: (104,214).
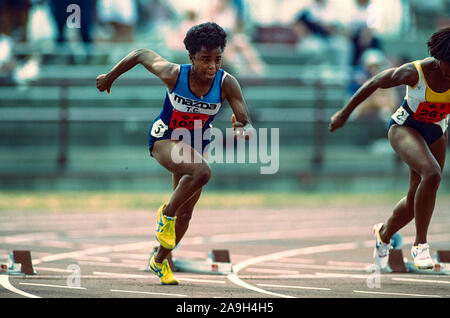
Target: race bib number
(431,112)
(187,120)
(158,129)
(400,115)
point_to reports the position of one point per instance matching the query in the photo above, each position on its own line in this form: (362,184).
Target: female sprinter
(194,95)
(418,134)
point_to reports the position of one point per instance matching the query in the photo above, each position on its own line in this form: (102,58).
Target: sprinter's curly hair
(439,45)
(209,35)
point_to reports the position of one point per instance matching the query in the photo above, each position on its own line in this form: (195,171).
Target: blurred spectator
(7,60)
(14,18)
(270,13)
(14,29)
(380,105)
(321,35)
(60,14)
(362,40)
(174,40)
(271,19)
(122,15)
(152,13)
(362,30)
(240,53)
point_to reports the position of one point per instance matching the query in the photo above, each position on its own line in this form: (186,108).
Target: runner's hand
(103,83)
(240,130)
(337,120)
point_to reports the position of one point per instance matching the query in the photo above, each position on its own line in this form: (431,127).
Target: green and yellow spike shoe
(165,232)
(163,271)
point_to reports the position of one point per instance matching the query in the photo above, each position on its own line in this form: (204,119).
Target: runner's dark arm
(403,75)
(233,94)
(166,71)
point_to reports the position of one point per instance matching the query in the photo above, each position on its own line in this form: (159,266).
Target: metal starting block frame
(217,263)
(400,264)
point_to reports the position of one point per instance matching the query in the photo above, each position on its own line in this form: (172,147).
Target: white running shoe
(421,256)
(381,251)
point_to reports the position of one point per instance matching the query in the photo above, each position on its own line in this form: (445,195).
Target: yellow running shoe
(165,232)
(163,271)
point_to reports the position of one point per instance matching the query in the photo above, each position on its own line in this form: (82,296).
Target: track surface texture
(296,252)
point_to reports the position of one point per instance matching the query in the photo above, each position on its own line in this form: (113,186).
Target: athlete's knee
(432,177)
(202,175)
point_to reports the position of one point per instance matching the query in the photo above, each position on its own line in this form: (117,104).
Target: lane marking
(28,237)
(296,287)
(270,270)
(236,280)
(104,264)
(146,293)
(121,275)
(341,275)
(55,286)
(4,281)
(294,252)
(202,280)
(395,294)
(422,280)
(221,239)
(309,266)
(307,251)
(51,269)
(289,253)
(96,250)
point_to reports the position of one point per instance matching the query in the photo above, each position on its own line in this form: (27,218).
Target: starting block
(19,263)
(218,263)
(397,261)
(400,264)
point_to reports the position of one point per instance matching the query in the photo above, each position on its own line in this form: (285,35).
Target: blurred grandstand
(59,133)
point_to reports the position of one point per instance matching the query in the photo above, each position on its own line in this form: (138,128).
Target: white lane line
(354,265)
(51,269)
(289,253)
(142,257)
(92,258)
(202,280)
(55,286)
(275,235)
(395,294)
(340,275)
(96,250)
(235,279)
(121,275)
(27,237)
(309,266)
(57,244)
(270,271)
(295,287)
(422,280)
(4,281)
(103,264)
(301,251)
(146,293)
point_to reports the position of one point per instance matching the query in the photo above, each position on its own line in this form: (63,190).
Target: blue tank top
(182,107)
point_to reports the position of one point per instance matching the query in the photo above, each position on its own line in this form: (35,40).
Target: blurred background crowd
(327,31)
(344,41)
(341,33)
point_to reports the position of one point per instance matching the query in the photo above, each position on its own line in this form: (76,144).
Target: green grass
(110,201)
